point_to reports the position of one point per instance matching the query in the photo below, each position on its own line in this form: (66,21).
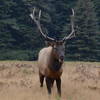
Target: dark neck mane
(55,65)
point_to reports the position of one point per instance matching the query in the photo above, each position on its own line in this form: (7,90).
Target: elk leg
(41,79)
(48,83)
(52,82)
(58,83)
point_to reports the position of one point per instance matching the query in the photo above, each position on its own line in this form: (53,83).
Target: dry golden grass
(19,81)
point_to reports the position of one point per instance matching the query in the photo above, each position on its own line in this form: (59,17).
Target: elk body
(51,58)
(50,65)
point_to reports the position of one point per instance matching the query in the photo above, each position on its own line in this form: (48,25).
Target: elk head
(58,46)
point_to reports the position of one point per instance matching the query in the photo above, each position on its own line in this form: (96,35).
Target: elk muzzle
(61,59)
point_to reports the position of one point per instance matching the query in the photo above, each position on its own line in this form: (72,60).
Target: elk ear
(49,43)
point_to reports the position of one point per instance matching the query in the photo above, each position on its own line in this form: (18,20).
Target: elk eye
(55,48)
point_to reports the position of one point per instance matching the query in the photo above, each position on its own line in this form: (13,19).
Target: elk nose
(62,58)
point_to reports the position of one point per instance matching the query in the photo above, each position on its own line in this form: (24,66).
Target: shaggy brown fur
(50,68)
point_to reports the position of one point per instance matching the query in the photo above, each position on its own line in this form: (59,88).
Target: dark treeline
(21,40)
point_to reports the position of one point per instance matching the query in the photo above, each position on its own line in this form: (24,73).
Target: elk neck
(54,64)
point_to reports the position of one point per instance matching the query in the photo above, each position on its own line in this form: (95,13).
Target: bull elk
(51,58)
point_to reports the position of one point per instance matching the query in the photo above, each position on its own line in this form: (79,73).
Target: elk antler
(72,34)
(37,21)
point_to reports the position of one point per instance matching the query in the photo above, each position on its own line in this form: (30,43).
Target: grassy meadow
(19,81)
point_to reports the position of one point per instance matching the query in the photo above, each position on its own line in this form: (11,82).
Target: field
(19,81)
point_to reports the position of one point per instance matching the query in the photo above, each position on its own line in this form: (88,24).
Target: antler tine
(37,21)
(72,23)
(72,26)
(39,14)
(33,15)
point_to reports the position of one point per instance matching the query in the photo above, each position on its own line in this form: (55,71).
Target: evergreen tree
(17,32)
(20,37)
(84,46)
(97,10)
